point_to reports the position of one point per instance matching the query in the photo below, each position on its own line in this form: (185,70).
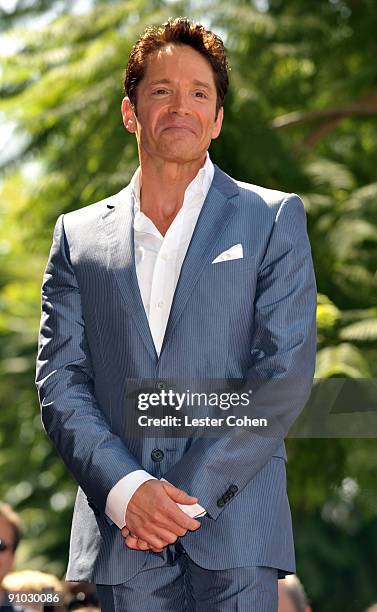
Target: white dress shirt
(158,261)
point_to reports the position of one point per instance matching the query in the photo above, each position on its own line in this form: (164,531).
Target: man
(10,534)
(184,274)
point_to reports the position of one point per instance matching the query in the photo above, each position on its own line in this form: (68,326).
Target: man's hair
(15,522)
(180,31)
(295,592)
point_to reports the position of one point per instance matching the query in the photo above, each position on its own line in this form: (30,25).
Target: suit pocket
(281,456)
(236,264)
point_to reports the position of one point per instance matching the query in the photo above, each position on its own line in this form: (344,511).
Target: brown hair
(14,520)
(180,31)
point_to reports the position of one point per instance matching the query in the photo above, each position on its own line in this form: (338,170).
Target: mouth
(179,129)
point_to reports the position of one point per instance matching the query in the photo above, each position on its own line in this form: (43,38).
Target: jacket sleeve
(70,412)
(283,350)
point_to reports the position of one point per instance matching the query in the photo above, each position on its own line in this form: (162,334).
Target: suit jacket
(250,317)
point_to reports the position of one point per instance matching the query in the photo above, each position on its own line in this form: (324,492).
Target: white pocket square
(235,252)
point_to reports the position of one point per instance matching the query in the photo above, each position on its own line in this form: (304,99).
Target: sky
(9,45)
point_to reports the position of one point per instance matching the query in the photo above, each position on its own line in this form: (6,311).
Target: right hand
(154,517)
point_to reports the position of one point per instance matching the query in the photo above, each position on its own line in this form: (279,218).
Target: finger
(149,547)
(131,538)
(125,532)
(169,524)
(170,527)
(166,535)
(158,539)
(175,517)
(136,543)
(131,542)
(179,496)
(142,544)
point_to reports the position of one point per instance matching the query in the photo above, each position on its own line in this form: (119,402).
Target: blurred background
(300,116)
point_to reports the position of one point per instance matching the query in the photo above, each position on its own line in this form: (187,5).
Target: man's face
(176,106)
(6,556)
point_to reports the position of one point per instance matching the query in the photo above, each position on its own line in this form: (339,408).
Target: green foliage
(300,116)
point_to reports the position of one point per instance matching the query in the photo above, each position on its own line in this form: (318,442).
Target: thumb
(178,495)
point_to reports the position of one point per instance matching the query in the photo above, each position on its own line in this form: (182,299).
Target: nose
(179,104)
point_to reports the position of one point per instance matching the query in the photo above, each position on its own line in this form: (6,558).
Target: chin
(181,154)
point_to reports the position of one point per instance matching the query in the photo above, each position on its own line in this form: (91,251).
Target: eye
(200,94)
(159,92)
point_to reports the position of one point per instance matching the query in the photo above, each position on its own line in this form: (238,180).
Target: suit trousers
(180,584)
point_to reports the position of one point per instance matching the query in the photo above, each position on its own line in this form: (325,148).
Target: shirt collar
(200,184)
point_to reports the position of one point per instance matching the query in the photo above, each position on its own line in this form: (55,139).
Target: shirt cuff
(121,493)
(192,510)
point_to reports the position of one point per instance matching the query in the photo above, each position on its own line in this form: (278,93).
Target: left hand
(136,543)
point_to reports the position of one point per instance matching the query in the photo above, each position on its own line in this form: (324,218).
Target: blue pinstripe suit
(253,316)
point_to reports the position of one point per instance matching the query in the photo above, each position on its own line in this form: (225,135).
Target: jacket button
(233,489)
(220,503)
(157,454)
(160,385)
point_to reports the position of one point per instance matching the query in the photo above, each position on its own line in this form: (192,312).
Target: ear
(218,123)
(129,119)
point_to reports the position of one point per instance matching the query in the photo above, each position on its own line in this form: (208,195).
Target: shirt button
(157,454)
(164,257)
(160,304)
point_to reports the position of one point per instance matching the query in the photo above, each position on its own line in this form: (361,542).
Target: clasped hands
(153,519)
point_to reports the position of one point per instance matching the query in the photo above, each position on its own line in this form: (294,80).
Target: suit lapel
(118,224)
(218,208)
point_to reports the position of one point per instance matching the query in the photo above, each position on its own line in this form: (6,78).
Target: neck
(163,186)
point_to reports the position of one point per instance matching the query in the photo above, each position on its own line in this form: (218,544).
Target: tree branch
(364,106)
